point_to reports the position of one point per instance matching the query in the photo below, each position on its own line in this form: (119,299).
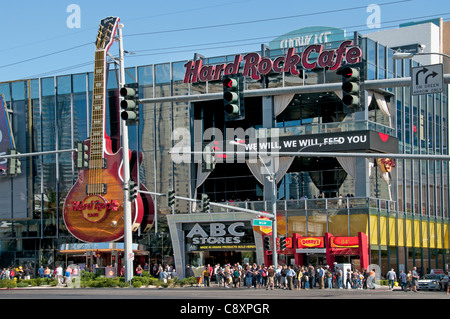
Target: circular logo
(386,164)
(95,208)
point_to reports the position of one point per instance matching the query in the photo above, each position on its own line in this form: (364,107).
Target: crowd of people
(19,272)
(159,271)
(287,277)
(27,272)
(303,277)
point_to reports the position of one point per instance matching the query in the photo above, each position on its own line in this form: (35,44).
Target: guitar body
(95,213)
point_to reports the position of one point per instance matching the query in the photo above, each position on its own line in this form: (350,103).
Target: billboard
(235,235)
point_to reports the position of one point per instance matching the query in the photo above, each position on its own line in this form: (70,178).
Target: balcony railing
(349,204)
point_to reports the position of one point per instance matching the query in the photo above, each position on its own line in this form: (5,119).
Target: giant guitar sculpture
(94,207)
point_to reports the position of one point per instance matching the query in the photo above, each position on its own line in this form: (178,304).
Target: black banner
(352,141)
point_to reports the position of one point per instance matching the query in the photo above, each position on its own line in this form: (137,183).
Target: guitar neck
(98,110)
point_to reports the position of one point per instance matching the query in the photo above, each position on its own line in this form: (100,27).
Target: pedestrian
(206,277)
(355,279)
(254,275)
(67,274)
(321,277)
(278,277)
(299,278)
(290,274)
(139,270)
(403,279)
(248,277)
(408,281)
(160,271)
(311,274)
(217,273)
(41,272)
(264,276)
(329,276)
(59,274)
(371,279)
(165,274)
(6,274)
(47,272)
(27,273)
(270,278)
(227,276)
(283,277)
(305,278)
(348,278)
(236,277)
(339,278)
(259,276)
(122,271)
(365,274)
(19,272)
(391,276)
(415,279)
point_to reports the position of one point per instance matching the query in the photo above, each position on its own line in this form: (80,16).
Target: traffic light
(209,159)
(130,103)
(205,203)
(82,156)
(233,98)
(170,197)
(267,243)
(282,243)
(133,190)
(351,87)
(14,164)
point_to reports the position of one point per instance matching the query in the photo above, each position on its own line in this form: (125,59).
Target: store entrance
(315,259)
(229,257)
(223,257)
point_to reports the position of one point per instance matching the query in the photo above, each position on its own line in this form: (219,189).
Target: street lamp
(407,55)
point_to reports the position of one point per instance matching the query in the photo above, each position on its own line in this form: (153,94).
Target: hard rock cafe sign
(314,56)
(95,208)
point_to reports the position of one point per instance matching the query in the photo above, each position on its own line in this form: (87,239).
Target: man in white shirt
(278,276)
(59,274)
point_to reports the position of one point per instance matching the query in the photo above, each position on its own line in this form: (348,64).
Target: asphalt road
(217,293)
(219,302)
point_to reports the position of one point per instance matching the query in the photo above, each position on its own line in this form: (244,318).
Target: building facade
(401,206)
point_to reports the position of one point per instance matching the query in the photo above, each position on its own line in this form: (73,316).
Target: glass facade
(406,220)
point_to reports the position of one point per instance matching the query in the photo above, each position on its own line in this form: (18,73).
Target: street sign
(262,222)
(427,79)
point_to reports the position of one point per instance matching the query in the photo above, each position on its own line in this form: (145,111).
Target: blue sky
(37,40)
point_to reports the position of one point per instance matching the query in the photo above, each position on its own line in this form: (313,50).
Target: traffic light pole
(19,155)
(128,247)
(274,222)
